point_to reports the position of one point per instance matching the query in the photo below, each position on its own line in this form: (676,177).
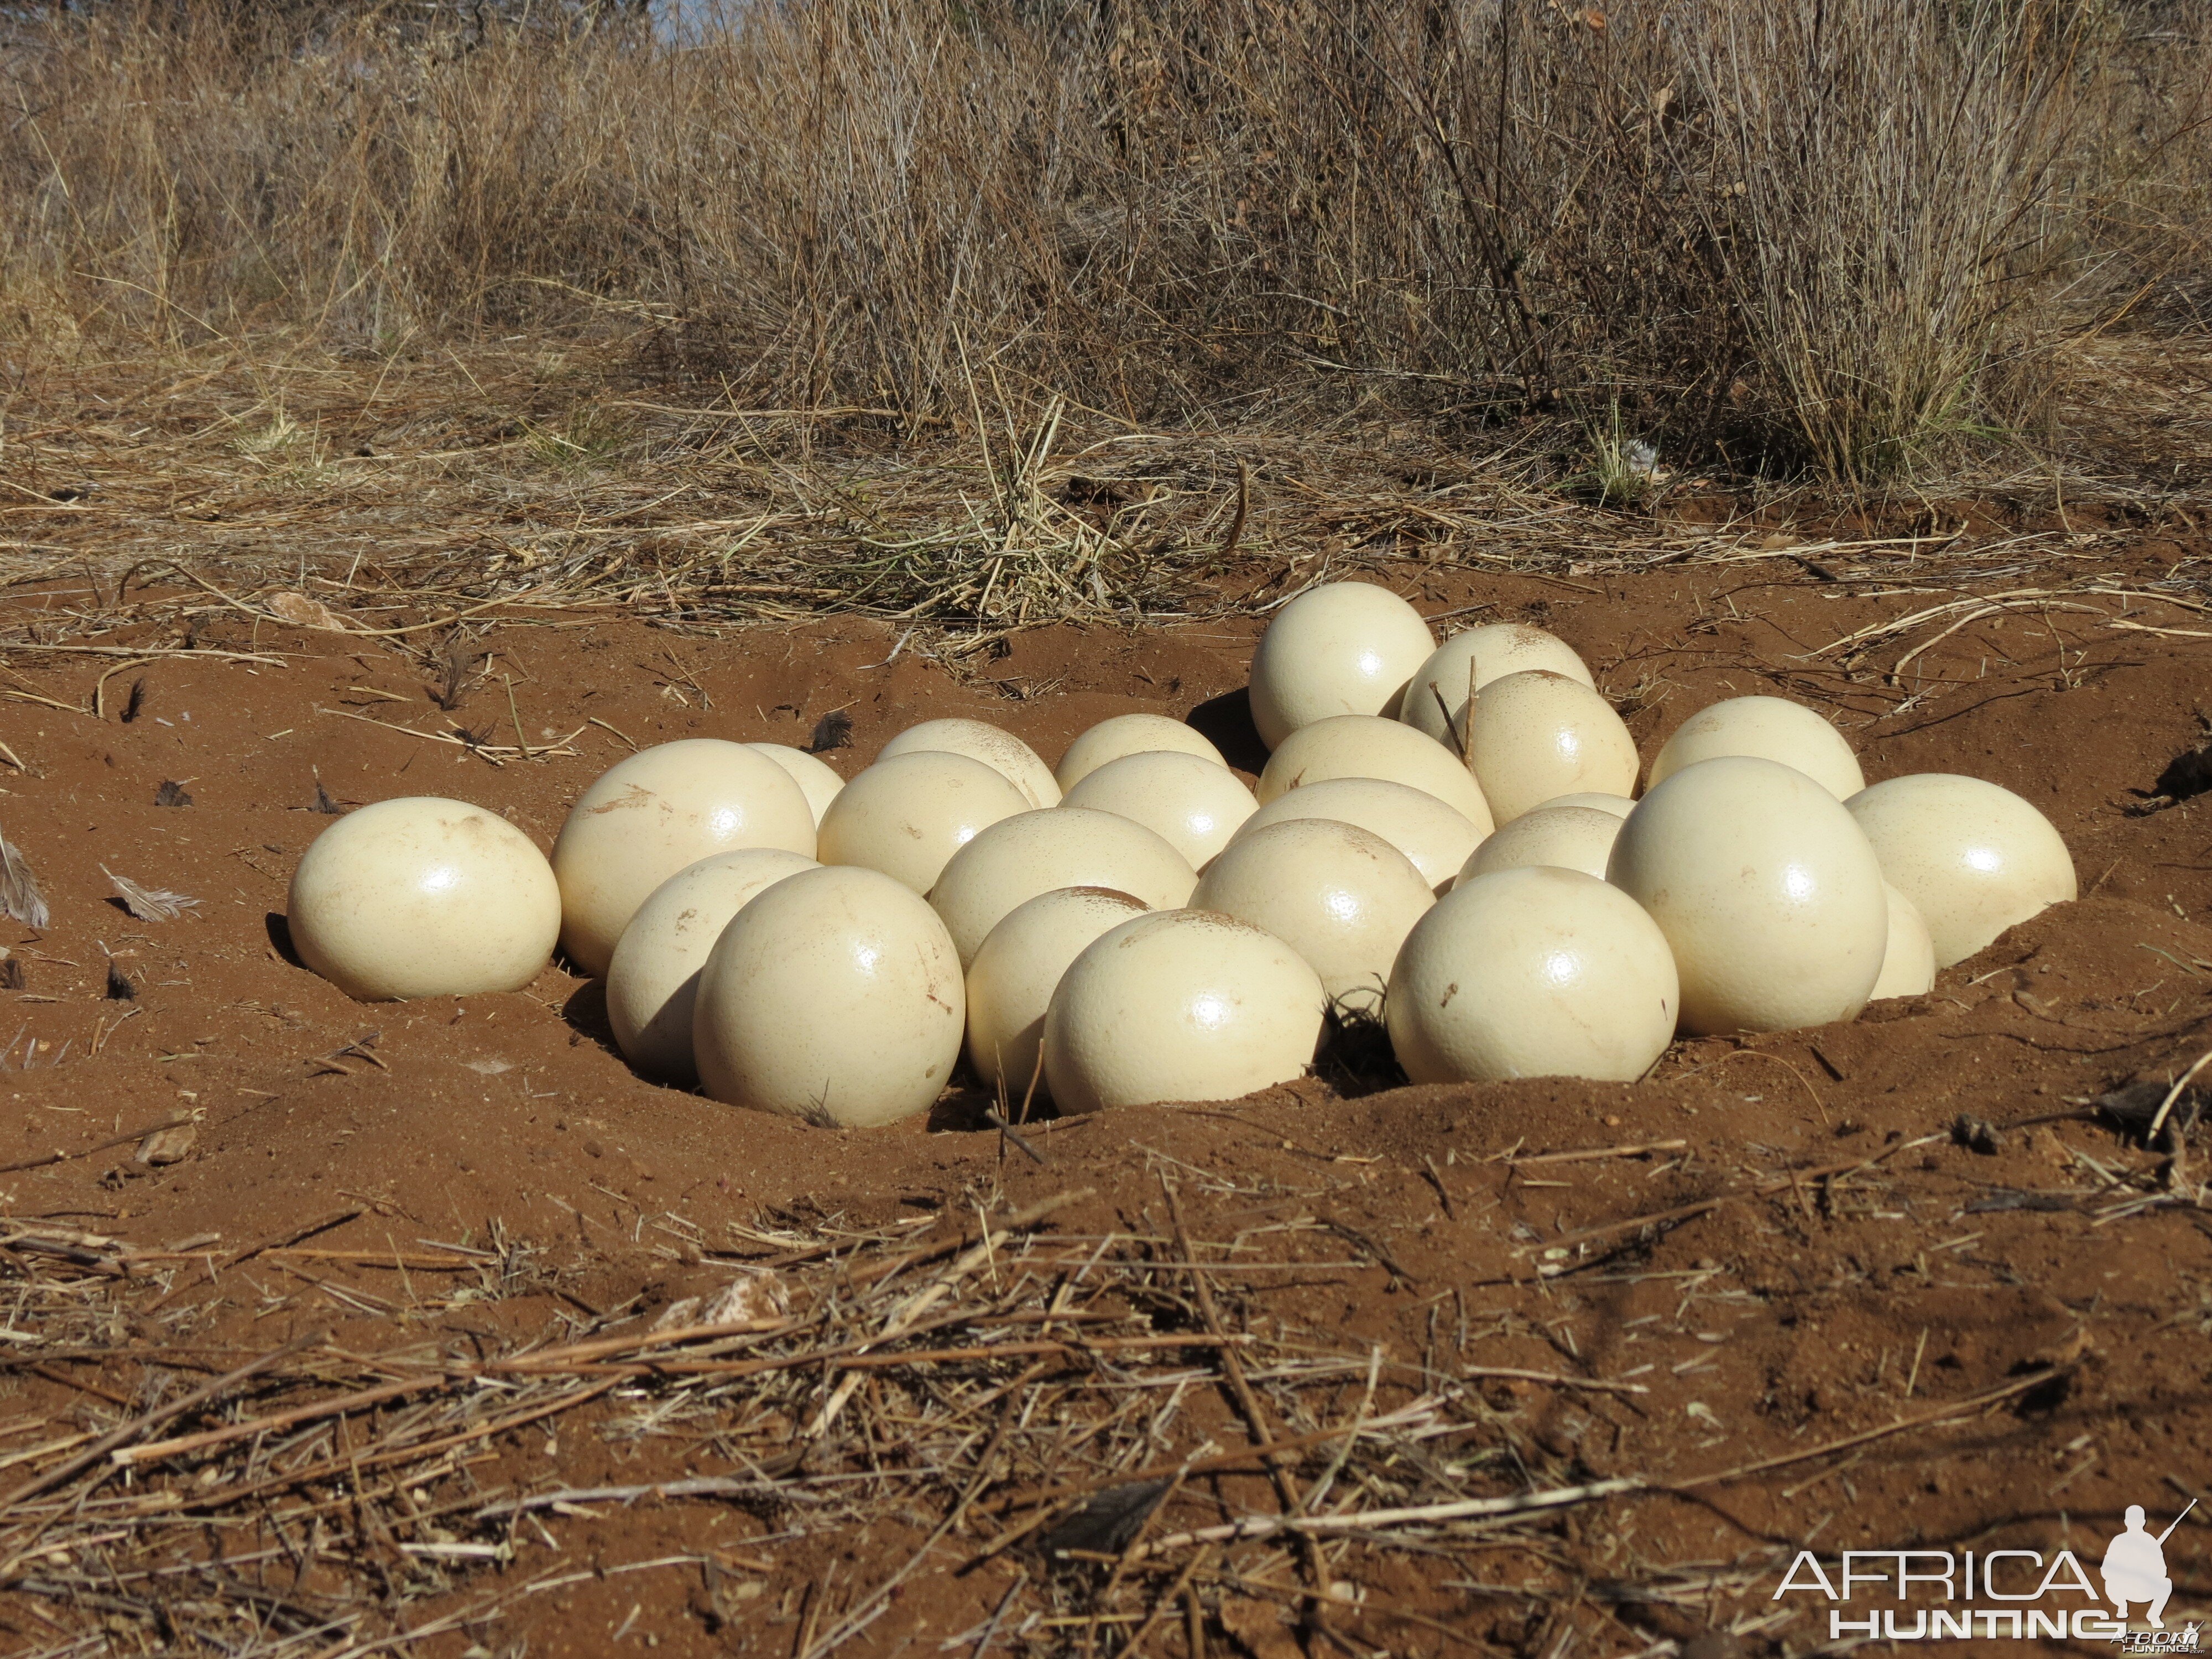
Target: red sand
(1799,1312)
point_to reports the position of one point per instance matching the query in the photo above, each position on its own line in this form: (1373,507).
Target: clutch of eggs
(1444,842)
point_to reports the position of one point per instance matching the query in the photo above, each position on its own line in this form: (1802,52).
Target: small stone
(1976,1134)
(301,611)
(172,1145)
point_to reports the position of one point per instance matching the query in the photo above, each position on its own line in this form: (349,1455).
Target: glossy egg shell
(1973,858)
(423,896)
(648,816)
(1770,898)
(1180,1005)
(1532,972)
(1340,648)
(834,996)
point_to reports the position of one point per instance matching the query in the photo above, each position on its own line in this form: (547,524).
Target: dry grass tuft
(442,520)
(993,1395)
(1095,1431)
(1851,234)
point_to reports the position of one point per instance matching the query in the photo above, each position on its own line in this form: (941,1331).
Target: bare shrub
(1896,179)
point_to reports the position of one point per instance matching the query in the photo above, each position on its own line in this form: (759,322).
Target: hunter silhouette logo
(2135,1567)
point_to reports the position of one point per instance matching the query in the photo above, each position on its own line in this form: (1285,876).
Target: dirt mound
(1622,1351)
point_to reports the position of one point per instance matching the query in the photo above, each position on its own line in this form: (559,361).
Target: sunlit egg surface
(1972,858)
(815,958)
(420,896)
(1339,648)
(1179,1005)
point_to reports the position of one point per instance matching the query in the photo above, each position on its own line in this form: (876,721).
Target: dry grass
(161,509)
(1851,235)
(995,1396)
(1105,1427)
(969,324)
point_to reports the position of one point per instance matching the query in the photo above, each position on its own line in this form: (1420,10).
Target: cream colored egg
(1129,734)
(1180,1005)
(1002,752)
(834,996)
(1369,746)
(1908,962)
(1767,893)
(1440,684)
(907,815)
(645,817)
(1772,727)
(1342,896)
(423,897)
(1191,804)
(1560,837)
(1538,735)
(1340,649)
(1619,806)
(1532,972)
(655,976)
(1015,972)
(815,777)
(1974,858)
(1013,861)
(1435,837)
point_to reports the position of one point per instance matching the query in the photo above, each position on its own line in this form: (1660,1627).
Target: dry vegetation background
(1853,240)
